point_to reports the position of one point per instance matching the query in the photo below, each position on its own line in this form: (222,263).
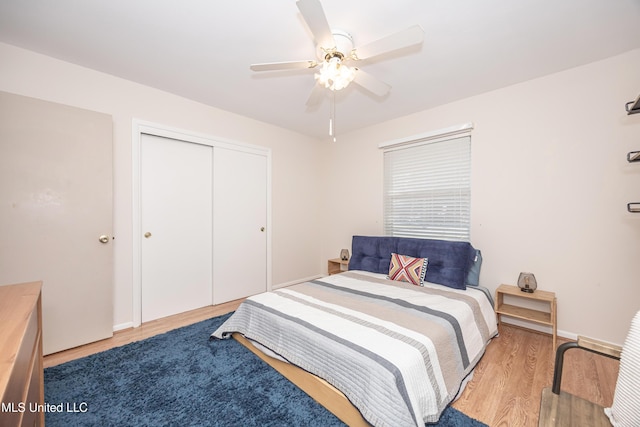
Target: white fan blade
(316,95)
(370,83)
(316,20)
(409,37)
(288,65)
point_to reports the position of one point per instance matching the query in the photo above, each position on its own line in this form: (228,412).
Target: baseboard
(295,282)
(538,328)
(122,326)
(568,335)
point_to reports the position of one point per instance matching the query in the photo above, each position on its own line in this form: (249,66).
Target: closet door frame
(140,127)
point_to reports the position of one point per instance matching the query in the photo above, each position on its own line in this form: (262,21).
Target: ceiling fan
(335,50)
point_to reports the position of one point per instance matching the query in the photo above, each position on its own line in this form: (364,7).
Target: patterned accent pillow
(408,269)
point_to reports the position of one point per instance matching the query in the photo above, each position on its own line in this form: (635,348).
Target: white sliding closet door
(176,225)
(240,216)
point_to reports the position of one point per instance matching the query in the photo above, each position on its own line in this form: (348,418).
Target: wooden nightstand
(334,266)
(548,318)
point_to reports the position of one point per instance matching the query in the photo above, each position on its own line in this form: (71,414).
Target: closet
(202,222)
(176,211)
(239,224)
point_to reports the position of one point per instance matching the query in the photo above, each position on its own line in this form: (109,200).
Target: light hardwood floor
(146,330)
(507,383)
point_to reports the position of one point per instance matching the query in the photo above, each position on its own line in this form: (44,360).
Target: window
(427,187)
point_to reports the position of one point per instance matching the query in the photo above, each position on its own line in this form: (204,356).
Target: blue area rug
(180,378)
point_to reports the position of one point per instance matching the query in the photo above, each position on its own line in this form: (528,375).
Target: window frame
(450,149)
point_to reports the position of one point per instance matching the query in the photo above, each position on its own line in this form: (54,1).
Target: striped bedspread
(399,352)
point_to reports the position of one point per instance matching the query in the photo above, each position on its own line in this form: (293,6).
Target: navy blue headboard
(449,262)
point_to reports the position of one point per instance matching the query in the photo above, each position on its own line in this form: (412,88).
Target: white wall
(550,179)
(550,184)
(295,179)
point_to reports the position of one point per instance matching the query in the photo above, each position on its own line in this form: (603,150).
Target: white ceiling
(202,49)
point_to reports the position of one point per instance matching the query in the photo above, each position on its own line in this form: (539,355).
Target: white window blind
(427,189)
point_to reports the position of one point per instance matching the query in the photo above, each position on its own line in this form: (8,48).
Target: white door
(176,226)
(240,216)
(55,203)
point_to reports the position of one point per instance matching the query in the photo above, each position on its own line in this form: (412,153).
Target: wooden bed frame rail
(320,390)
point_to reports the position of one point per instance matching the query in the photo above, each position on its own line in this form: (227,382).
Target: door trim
(140,127)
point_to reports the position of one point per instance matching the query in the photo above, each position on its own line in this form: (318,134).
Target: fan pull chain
(332,116)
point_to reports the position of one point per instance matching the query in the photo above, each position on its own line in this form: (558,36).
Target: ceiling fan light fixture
(333,48)
(333,74)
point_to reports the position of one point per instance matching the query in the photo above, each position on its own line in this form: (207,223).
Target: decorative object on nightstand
(527,282)
(344,254)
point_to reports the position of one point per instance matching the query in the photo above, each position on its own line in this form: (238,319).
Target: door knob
(103,239)
(147,235)
(261,228)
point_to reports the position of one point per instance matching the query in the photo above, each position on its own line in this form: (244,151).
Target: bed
(388,342)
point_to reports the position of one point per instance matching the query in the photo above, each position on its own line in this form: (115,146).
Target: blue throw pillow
(473,278)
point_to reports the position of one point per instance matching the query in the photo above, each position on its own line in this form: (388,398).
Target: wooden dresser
(21,371)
